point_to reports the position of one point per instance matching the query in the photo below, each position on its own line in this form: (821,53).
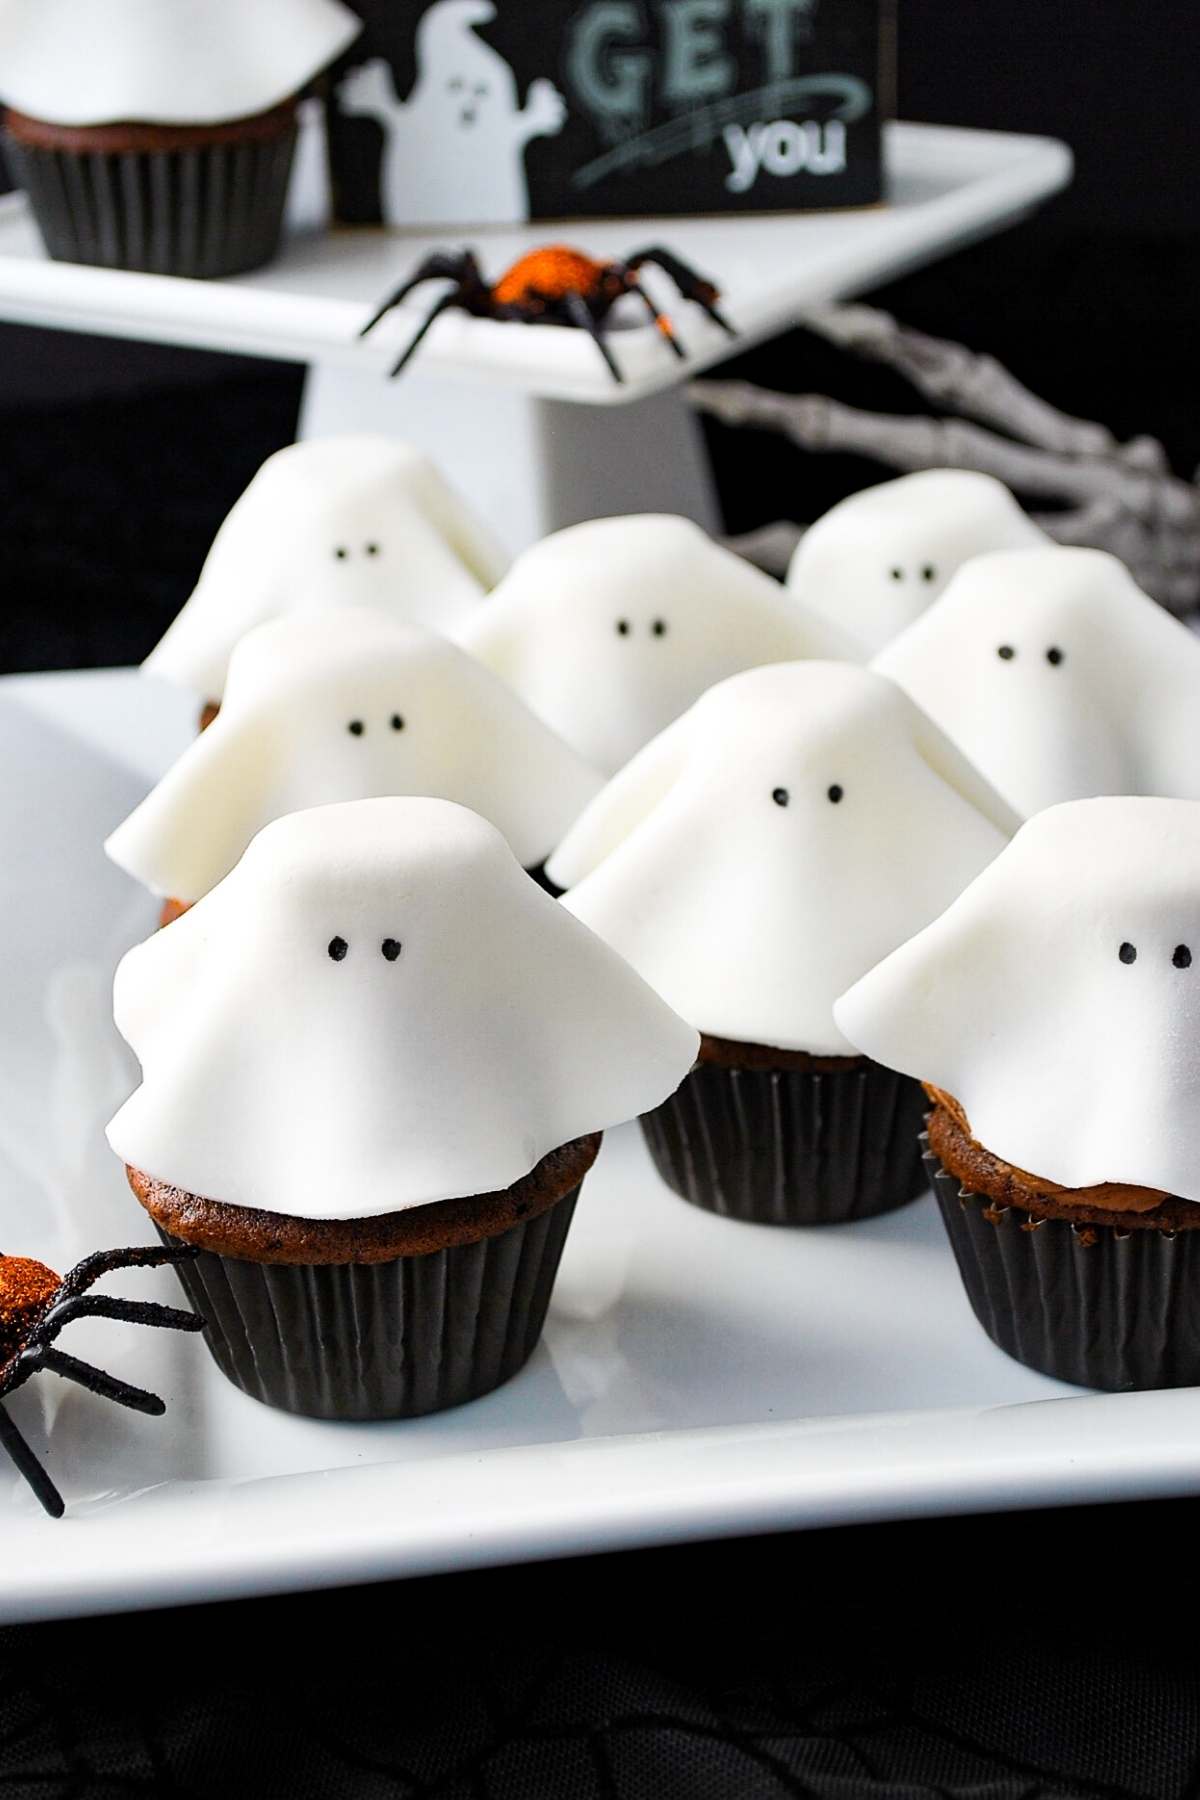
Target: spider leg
(580,313)
(85,1274)
(696,288)
(28,1465)
(107,1386)
(441,266)
(660,319)
(435,312)
(107,1306)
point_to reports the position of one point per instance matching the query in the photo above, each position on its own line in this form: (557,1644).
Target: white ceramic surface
(697,1376)
(946,186)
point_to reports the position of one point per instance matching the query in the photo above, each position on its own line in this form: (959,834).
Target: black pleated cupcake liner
(791,1146)
(206,212)
(1097,1305)
(386,1340)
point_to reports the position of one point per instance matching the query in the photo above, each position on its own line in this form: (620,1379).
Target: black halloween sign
(457,112)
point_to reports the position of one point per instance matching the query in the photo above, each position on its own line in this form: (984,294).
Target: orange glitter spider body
(554,285)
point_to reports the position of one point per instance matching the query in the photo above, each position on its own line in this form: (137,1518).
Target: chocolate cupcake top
(377,1010)
(800,821)
(875,561)
(1058,677)
(350,705)
(165,62)
(339,521)
(611,629)
(1058,999)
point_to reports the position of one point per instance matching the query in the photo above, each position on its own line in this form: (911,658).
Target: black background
(1006,1657)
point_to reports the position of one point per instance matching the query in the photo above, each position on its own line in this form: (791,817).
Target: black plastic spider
(35,1304)
(553,286)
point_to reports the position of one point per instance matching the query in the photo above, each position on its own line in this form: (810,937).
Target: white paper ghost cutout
(350,705)
(337,521)
(1058,999)
(610,630)
(378,1009)
(776,841)
(165,62)
(1058,678)
(874,562)
(454,151)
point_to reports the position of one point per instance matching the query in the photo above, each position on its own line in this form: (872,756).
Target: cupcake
(375,1063)
(771,845)
(337,521)
(350,705)
(610,630)
(1058,678)
(874,562)
(1054,1012)
(160,137)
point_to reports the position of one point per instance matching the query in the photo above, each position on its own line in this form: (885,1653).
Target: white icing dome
(164,62)
(876,560)
(610,630)
(1058,999)
(796,824)
(350,705)
(337,521)
(376,1010)
(1058,677)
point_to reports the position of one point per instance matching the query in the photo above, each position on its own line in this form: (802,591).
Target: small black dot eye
(896,574)
(371,549)
(338,948)
(780,796)
(356,728)
(1182,957)
(397,722)
(1127,953)
(391,948)
(659,628)
(1054,655)
(835,793)
(1005,652)
(341,552)
(928,573)
(622,627)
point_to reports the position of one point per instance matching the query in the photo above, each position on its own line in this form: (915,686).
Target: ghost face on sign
(879,558)
(1058,677)
(350,705)
(341,521)
(1058,999)
(610,630)
(773,843)
(378,1009)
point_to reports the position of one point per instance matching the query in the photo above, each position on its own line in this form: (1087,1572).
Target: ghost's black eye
(341,552)
(391,948)
(659,628)
(896,574)
(397,722)
(780,796)
(356,728)
(1127,953)
(622,627)
(1182,957)
(1054,655)
(834,794)
(1005,652)
(929,573)
(338,948)
(371,549)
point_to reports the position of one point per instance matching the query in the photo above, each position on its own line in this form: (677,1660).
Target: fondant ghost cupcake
(375,1061)
(768,847)
(337,521)
(875,561)
(1058,677)
(610,630)
(1054,1012)
(160,136)
(350,705)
